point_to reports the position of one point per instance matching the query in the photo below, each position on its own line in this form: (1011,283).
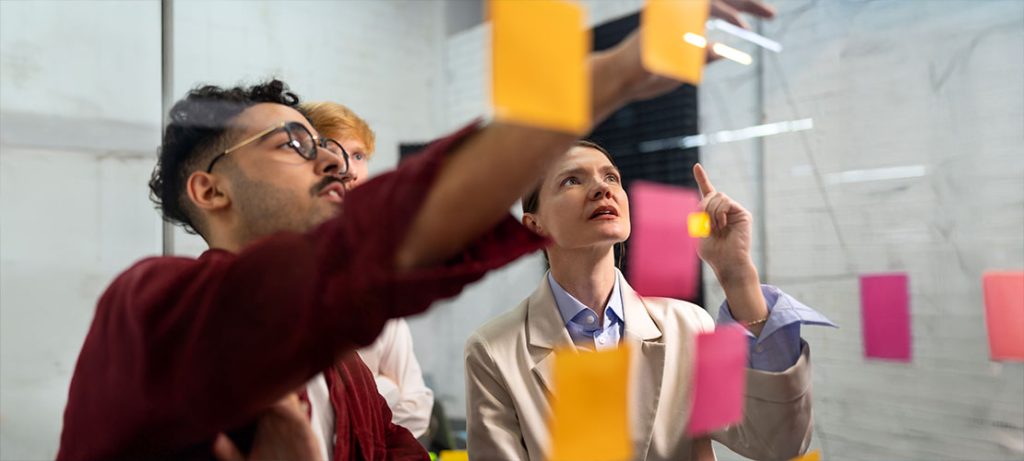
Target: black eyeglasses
(299,139)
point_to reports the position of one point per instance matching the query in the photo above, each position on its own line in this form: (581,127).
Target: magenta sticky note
(1004,314)
(885,313)
(662,255)
(719,379)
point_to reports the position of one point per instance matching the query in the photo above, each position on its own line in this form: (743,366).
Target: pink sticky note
(662,256)
(1004,314)
(719,379)
(885,311)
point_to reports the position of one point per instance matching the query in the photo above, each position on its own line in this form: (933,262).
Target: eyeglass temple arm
(252,138)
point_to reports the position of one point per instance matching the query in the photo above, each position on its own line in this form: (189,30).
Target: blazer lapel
(546,332)
(647,365)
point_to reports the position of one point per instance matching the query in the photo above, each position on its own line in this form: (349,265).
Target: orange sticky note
(699,224)
(453,455)
(588,406)
(1004,314)
(664,25)
(809,456)
(539,64)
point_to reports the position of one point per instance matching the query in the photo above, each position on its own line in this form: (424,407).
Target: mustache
(327,181)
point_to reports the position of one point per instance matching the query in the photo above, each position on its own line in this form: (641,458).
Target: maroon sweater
(181,349)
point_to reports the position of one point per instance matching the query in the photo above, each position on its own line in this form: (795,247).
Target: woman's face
(582,203)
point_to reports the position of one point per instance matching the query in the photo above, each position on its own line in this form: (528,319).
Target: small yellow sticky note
(809,456)
(540,76)
(453,455)
(699,224)
(589,406)
(667,49)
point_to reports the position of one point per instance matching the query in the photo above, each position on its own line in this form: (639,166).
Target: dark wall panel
(668,116)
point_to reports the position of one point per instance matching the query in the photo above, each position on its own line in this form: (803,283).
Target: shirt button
(590,320)
(602,340)
(760,348)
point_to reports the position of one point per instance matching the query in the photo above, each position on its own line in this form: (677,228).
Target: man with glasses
(181,349)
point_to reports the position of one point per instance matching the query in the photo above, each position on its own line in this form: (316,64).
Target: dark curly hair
(198,128)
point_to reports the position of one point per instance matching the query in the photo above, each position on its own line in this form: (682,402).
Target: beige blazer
(508,378)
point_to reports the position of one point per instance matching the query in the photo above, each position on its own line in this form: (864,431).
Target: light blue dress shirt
(582,322)
(777,349)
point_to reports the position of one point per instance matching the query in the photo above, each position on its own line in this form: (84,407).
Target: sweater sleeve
(181,349)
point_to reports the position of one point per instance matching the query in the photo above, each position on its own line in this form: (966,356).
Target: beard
(266,209)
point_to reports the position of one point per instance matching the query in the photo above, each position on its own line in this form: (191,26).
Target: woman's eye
(570,181)
(612,178)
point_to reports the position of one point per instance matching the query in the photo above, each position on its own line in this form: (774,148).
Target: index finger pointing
(703,182)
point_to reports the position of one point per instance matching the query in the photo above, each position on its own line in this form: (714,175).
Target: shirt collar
(569,307)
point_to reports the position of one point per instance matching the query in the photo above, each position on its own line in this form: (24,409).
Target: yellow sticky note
(667,49)
(809,456)
(453,455)
(588,406)
(539,64)
(699,224)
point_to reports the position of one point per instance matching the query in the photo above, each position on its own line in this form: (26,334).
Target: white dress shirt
(399,378)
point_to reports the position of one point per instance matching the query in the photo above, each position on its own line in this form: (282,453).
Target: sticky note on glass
(668,50)
(662,255)
(809,456)
(1004,314)
(719,379)
(885,314)
(539,64)
(699,224)
(453,455)
(588,406)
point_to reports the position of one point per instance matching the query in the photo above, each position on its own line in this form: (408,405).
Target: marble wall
(915,164)
(76,148)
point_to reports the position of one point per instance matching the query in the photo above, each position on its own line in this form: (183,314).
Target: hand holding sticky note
(1004,314)
(540,72)
(589,418)
(719,379)
(699,224)
(669,30)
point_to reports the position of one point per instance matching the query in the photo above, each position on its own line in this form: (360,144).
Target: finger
(290,406)
(711,209)
(717,212)
(290,400)
(721,210)
(701,176)
(225,450)
(721,9)
(754,7)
